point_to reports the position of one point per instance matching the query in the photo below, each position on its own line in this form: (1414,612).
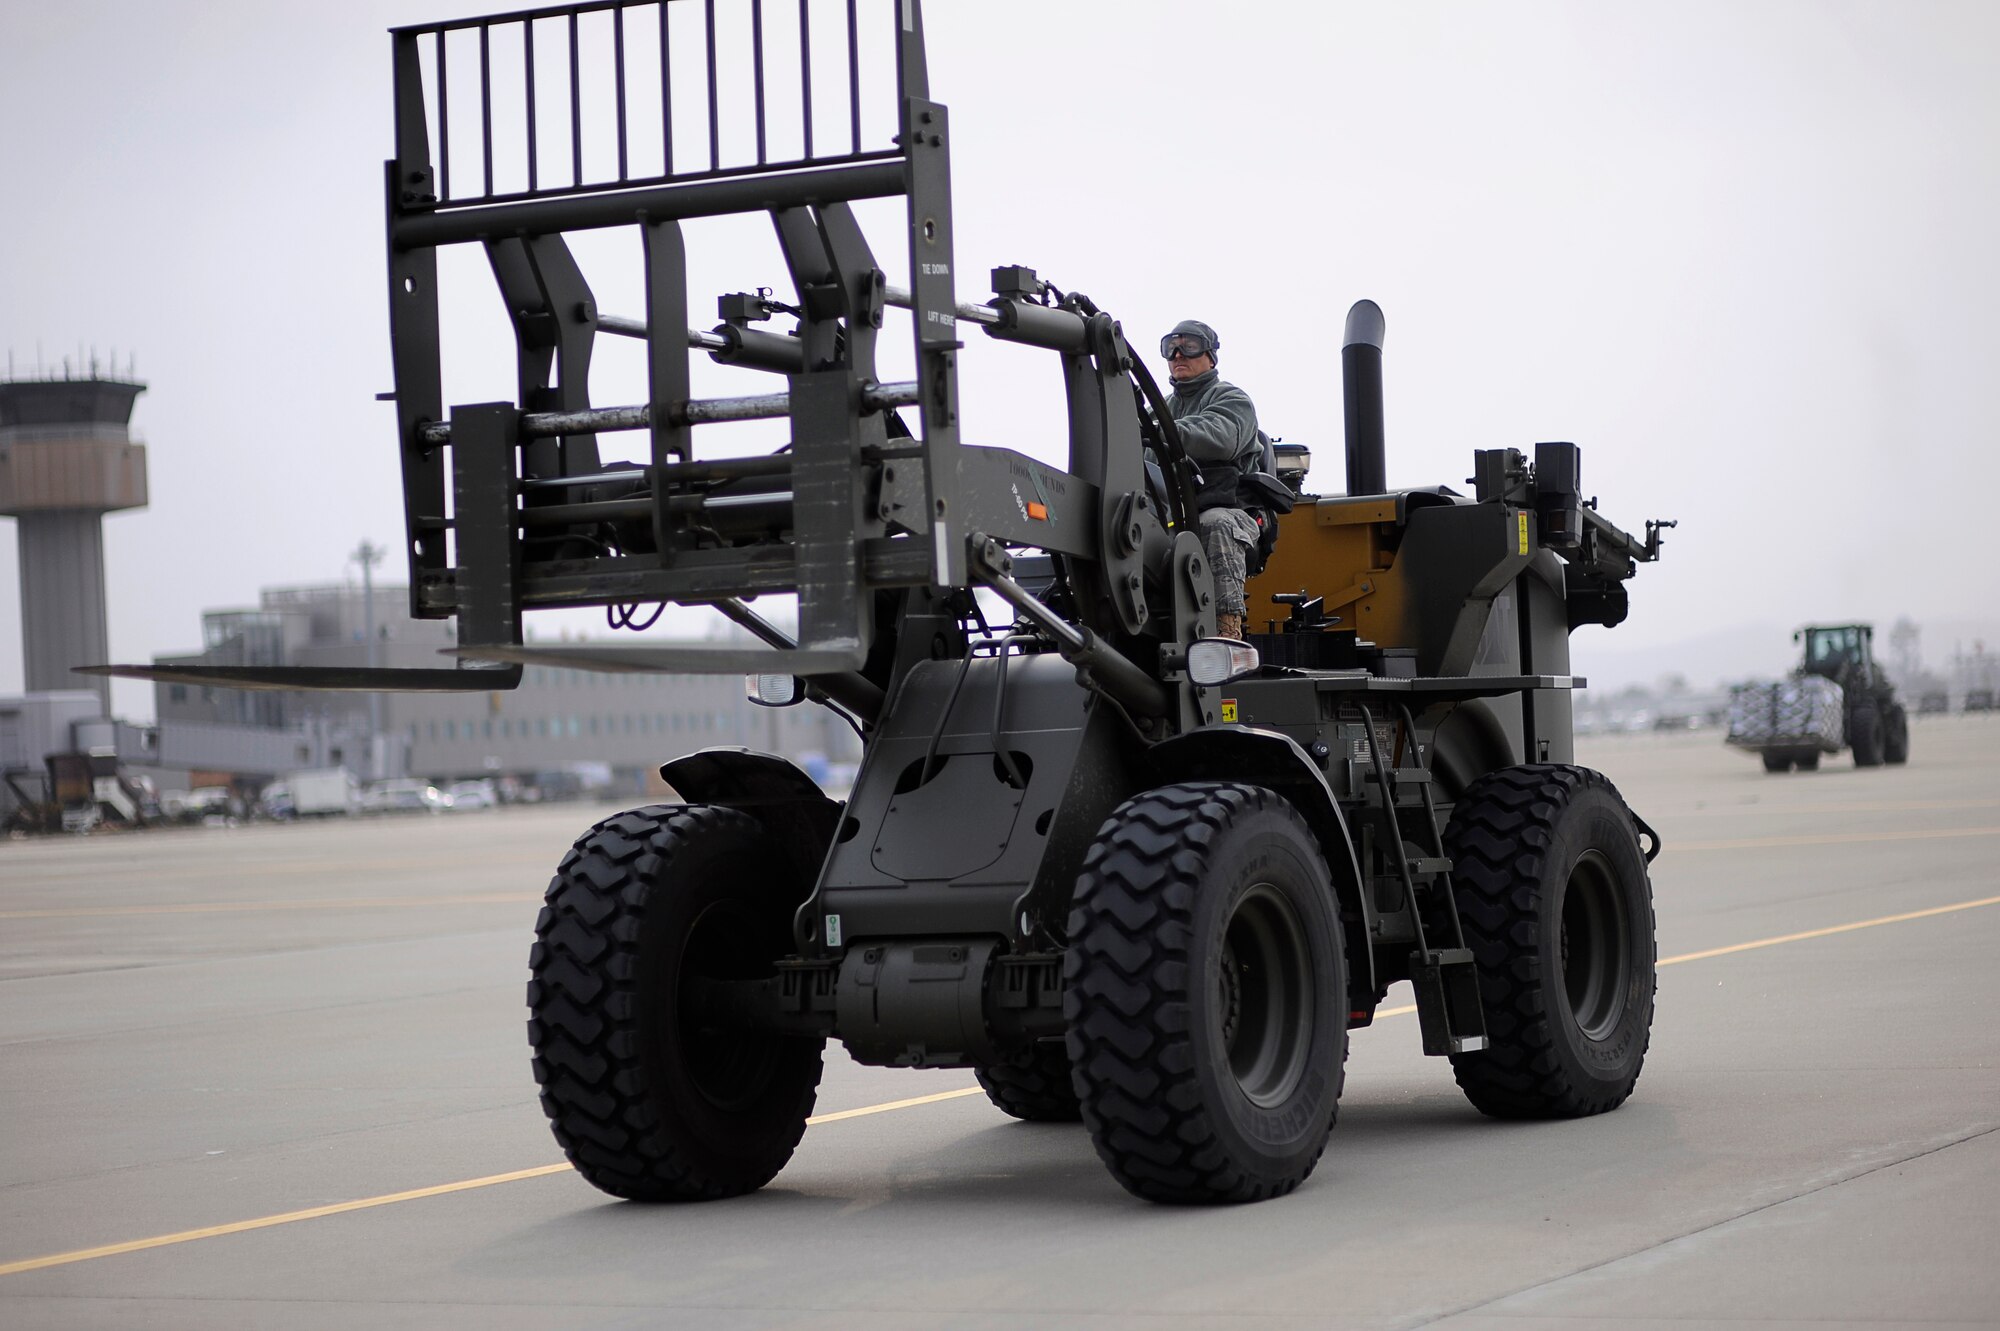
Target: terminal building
(619,727)
(67,458)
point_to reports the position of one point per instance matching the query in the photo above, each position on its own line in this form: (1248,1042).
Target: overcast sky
(1743,254)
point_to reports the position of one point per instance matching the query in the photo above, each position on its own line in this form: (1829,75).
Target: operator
(1218,428)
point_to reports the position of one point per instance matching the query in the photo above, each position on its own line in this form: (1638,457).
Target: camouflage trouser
(1229,534)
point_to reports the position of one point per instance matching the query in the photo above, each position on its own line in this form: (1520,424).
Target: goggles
(1182,347)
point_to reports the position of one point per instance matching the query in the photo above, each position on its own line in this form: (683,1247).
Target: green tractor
(1838,697)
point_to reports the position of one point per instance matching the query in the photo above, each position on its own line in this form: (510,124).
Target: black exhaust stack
(1361,382)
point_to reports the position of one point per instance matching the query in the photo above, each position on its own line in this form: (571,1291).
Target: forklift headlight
(773,690)
(1213,661)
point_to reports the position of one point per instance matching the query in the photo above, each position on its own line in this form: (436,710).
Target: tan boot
(1228,625)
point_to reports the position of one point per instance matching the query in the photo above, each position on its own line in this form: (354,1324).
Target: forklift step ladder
(1443,974)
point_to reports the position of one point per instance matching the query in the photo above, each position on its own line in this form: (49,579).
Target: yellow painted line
(389,1199)
(1836,838)
(466,1185)
(265,1222)
(1831,930)
(882,1108)
(322,903)
(1783,938)
(1754,944)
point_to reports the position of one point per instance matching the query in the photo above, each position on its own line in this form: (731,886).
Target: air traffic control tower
(66,459)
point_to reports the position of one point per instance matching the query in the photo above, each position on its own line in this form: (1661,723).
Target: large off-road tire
(1553,896)
(1864,736)
(1034,1085)
(1896,737)
(649,1099)
(1205,989)
(1777,761)
(1808,761)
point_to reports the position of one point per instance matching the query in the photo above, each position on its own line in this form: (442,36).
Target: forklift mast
(509,507)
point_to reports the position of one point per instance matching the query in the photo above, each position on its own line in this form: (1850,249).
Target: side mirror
(774,690)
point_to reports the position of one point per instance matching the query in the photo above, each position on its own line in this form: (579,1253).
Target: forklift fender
(1274,760)
(1467,742)
(775,791)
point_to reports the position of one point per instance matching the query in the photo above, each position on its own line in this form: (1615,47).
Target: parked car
(204,803)
(469,795)
(404,796)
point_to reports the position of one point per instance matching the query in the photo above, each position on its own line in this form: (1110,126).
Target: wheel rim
(729,1067)
(1264,996)
(1595,953)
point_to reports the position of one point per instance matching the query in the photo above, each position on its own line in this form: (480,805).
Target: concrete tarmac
(278,1077)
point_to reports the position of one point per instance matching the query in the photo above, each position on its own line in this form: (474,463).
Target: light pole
(368,555)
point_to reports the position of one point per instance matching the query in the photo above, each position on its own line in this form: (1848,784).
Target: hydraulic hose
(1097,662)
(1177,464)
(1178,467)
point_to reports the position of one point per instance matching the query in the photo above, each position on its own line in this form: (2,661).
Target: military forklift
(1877,724)
(1124,870)
(1838,697)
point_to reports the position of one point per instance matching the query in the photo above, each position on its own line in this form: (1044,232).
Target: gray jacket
(1218,428)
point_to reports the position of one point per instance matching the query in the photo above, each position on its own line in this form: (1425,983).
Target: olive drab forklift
(1126,871)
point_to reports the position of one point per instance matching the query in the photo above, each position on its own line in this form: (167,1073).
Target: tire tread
(1125,985)
(1499,838)
(1034,1086)
(583,1004)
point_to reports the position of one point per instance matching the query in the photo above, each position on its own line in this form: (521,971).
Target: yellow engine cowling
(1344,550)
